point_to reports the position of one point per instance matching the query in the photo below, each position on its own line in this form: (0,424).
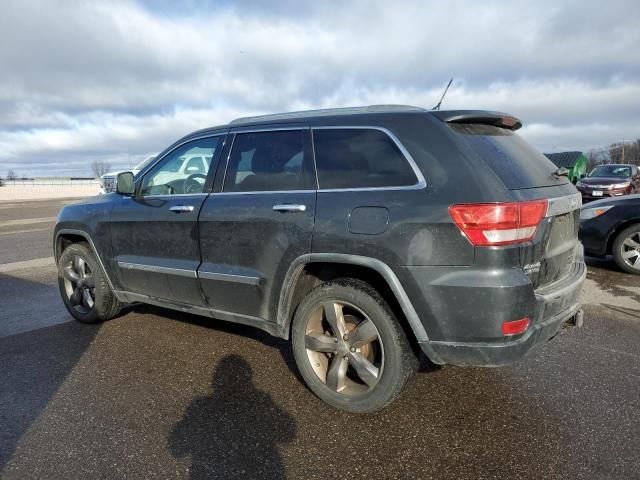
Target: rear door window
(267,161)
(513,160)
(359,158)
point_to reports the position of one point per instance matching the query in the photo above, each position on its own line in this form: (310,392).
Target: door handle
(289,208)
(181,208)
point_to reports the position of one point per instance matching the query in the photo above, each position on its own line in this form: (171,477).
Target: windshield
(614,171)
(144,163)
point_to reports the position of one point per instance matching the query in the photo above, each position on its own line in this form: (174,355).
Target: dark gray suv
(364,235)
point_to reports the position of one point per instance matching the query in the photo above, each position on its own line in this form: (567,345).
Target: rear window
(359,158)
(513,160)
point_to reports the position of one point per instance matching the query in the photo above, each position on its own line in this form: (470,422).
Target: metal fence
(52,182)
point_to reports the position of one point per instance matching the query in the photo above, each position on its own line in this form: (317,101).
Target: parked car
(612,227)
(108,180)
(362,235)
(611,180)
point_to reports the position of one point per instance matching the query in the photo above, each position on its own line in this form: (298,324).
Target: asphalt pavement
(160,394)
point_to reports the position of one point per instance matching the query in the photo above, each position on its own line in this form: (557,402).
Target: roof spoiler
(497,119)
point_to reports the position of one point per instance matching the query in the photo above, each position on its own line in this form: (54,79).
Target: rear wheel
(349,347)
(84,287)
(626,249)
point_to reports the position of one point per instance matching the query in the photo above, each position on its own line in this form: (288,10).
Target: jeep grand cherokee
(363,235)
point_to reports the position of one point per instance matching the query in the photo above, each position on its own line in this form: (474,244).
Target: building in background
(575,162)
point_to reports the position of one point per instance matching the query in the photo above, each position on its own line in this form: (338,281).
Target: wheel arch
(67,236)
(63,240)
(309,270)
(616,231)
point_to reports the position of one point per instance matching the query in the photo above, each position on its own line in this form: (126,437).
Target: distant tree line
(12,176)
(621,152)
(100,167)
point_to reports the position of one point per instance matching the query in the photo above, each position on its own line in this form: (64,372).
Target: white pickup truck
(184,166)
(108,180)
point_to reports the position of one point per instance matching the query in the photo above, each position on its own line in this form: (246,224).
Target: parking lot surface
(160,394)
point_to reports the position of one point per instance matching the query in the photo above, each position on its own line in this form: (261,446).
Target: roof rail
(327,112)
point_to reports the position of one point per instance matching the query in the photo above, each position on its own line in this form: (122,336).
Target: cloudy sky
(84,80)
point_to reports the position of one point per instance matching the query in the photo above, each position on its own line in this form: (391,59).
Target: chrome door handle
(289,208)
(181,208)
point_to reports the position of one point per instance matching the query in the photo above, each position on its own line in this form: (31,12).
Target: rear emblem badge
(532,268)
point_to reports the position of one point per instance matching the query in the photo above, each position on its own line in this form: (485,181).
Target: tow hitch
(576,321)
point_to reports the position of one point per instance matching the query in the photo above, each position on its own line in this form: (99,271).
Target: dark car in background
(363,235)
(612,227)
(613,180)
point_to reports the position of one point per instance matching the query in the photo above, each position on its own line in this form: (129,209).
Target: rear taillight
(488,224)
(515,327)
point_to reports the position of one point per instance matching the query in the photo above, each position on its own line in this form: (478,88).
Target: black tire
(631,235)
(398,359)
(104,304)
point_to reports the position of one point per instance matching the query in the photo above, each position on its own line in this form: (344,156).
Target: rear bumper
(497,355)
(548,309)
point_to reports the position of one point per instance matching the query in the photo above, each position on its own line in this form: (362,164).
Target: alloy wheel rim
(344,348)
(79,284)
(631,250)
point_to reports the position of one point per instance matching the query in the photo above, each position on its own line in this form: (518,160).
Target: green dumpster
(575,162)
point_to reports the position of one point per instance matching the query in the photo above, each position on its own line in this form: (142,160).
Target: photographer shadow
(235,431)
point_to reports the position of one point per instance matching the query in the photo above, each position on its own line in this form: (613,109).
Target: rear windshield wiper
(561,172)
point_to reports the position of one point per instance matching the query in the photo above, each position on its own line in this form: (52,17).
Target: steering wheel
(191,185)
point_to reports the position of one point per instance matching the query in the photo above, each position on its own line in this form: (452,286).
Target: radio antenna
(437,107)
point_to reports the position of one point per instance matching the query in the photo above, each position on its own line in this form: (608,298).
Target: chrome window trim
(313,154)
(279,192)
(422,183)
(156,269)
(148,168)
(417,186)
(226,163)
(238,130)
(169,196)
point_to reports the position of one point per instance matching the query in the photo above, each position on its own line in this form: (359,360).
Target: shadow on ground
(235,431)
(154,397)
(471,423)
(34,365)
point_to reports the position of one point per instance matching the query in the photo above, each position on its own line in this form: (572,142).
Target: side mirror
(124,183)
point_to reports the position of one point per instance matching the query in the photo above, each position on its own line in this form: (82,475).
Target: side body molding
(284,305)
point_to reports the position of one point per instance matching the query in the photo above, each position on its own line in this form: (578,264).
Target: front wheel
(350,348)
(84,287)
(626,249)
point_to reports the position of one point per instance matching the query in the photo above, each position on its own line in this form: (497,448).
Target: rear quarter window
(359,158)
(514,161)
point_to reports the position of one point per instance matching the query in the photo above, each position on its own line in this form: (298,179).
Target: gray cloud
(83,80)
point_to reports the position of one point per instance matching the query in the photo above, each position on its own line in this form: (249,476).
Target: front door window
(183,171)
